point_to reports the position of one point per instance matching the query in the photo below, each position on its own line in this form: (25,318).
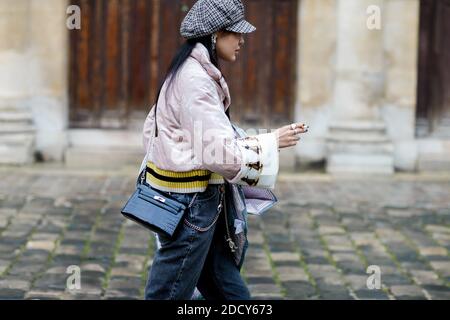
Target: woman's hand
(288,135)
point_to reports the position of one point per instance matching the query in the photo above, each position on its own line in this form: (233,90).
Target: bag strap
(156,123)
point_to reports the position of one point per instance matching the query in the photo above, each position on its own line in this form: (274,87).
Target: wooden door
(433,102)
(124,47)
(263,79)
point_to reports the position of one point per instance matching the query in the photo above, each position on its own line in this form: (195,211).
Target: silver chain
(193,199)
(219,209)
(230,241)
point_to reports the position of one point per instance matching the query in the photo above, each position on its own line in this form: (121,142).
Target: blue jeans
(197,255)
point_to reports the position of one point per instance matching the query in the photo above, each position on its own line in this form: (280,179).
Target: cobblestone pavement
(315,244)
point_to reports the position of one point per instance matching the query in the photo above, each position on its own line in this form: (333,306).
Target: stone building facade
(356,87)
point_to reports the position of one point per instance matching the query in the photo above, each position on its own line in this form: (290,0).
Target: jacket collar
(201,54)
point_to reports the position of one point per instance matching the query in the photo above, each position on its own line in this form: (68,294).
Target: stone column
(33,80)
(16,129)
(315,70)
(48,75)
(357,140)
(401,42)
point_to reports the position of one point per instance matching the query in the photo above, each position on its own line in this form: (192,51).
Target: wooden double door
(119,57)
(433,103)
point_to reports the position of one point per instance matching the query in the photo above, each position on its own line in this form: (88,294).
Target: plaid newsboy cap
(209,16)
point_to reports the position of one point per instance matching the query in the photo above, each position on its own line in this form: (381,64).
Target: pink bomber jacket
(194,133)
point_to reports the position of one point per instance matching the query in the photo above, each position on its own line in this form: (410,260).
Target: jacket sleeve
(148,129)
(252,160)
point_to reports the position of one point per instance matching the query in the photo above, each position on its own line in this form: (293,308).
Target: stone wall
(382,63)
(34,80)
(317,47)
(33,68)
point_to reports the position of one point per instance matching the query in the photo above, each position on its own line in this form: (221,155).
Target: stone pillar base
(104,149)
(17,137)
(434,154)
(360,147)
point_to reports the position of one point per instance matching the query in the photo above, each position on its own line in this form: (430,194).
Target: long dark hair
(180,57)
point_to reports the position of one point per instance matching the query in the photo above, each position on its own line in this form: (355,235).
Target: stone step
(15,116)
(15,155)
(368,164)
(95,148)
(366,137)
(361,147)
(103,157)
(86,157)
(358,126)
(434,155)
(98,138)
(13,128)
(19,139)
(17,136)
(434,163)
(16,149)
(362,132)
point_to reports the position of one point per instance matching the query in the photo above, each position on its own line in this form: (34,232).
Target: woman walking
(193,152)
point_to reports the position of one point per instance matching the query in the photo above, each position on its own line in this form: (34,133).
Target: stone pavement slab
(323,240)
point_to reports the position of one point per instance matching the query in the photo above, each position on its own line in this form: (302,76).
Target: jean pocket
(205,211)
(209,194)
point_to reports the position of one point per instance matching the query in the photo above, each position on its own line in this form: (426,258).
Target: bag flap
(160,198)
